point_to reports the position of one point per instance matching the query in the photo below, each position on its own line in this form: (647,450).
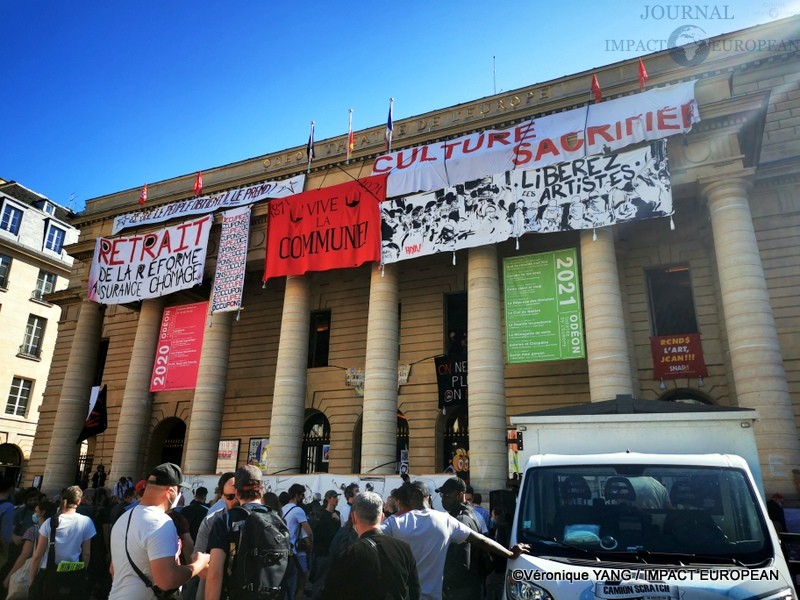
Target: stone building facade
(33,263)
(277,370)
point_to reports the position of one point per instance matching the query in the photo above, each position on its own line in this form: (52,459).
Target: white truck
(643,505)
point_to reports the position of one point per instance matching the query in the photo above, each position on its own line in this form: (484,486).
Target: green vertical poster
(543,307)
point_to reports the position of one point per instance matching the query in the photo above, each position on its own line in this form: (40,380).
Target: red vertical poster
(180,341)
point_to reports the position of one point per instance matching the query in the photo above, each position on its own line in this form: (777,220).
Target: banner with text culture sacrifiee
(595,129)
(229,276)
(206,204)
(149,265)
(180,342)
(330,228)
(586,193)
(542,298)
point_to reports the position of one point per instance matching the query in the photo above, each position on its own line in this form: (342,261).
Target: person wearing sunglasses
(227,500)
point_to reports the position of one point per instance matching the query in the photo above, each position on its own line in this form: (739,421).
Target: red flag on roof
(598,95)
(642,75)
(143,195)
(198,184)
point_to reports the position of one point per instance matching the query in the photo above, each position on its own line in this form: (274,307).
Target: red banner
(330,228)
(180,341)
(678,356)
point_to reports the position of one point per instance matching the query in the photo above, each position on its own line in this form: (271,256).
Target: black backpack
(258,560)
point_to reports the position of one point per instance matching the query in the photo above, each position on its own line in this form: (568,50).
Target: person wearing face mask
(43,510)
(227,500)
(144,541)
(73,536)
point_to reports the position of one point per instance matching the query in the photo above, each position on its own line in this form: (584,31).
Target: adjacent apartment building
(33,263)
(539,248)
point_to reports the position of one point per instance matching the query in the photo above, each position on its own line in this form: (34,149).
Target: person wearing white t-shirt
(147,536)
(73,536)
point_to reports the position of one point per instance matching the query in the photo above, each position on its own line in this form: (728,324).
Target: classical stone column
(755,355)
(73,404)
(289,396)
(202,440)
(609,362)
(134,417)
(488,456)
(379,422)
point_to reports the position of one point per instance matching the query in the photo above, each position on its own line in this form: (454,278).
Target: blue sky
(100,97)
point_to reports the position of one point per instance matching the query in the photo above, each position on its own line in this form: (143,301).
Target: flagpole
(389,126)
(310,148)
(349,134)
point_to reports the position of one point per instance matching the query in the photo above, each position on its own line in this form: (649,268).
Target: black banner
(97,422)
(451,377)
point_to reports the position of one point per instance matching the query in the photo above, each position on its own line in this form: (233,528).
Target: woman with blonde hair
(71,552)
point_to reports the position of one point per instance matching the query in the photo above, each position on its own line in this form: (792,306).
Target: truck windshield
(676,512)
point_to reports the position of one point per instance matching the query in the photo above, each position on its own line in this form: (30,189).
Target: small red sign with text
(678,356)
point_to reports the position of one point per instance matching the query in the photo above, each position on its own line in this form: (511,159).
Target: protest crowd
(143,540)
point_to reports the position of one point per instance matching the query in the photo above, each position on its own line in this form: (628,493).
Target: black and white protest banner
(226,294)
(591,192)
(451,379)
(149,265)
(211,202)
(594,129)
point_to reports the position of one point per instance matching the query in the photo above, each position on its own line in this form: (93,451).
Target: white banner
(319,483)
(582,194)
(149,265)
(207,204)
(226,294)
(595,129)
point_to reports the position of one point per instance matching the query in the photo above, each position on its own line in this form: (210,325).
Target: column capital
(743,180)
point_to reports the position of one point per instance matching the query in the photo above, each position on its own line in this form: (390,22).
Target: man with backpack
(249,546)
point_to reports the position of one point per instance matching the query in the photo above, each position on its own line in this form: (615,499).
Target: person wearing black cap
(144,541)
(462,576)
(429,532)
